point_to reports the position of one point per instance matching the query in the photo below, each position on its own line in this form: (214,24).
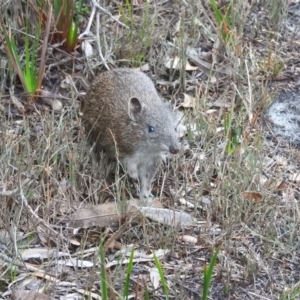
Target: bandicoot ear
(134,108)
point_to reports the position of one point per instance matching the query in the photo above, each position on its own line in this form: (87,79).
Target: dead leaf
(252,196)
(188,101)
(207,67)
(87,48)
(159,253)
(74,242)
(186,203)
(41,253)
(18,104)
(144,68)
(41,274)
(212,112)
(117,262)
(176,63)
(30,295)
(295,177)
(107,214)
(103,215)
(189,67)
(138,257)
(111,242)
(76,263)
(222,103)
(283,186)
(154,277)
(168,217)
(187,239)
(54,103)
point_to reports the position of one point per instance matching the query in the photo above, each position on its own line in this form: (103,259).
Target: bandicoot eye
(151,129)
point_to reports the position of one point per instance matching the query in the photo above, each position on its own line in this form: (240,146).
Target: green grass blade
(218,15)
(147,296)
(12,52)
(13,49)
(224,23)
(162,277)
(57,7)
(104,288)
(72,36)
(28,66)
(208,272)
(128,273)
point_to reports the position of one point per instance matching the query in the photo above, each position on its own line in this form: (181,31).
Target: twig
(98,42)
(37,219)
(9,193)
(87,31)
(5,193)
(8,260)
(44,49)
(96,5)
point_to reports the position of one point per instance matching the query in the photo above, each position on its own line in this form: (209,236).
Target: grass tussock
(221,62)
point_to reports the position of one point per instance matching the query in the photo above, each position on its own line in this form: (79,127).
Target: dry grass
(246,200)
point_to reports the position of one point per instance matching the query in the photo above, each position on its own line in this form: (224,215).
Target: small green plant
(272,65)
(223,21)
(277,11)
(67,15)
(232,134)
(30,75)
(25,63)
(13,272)
(291,293)
(127,14)
(80,9)
(208,272)
(140,30)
